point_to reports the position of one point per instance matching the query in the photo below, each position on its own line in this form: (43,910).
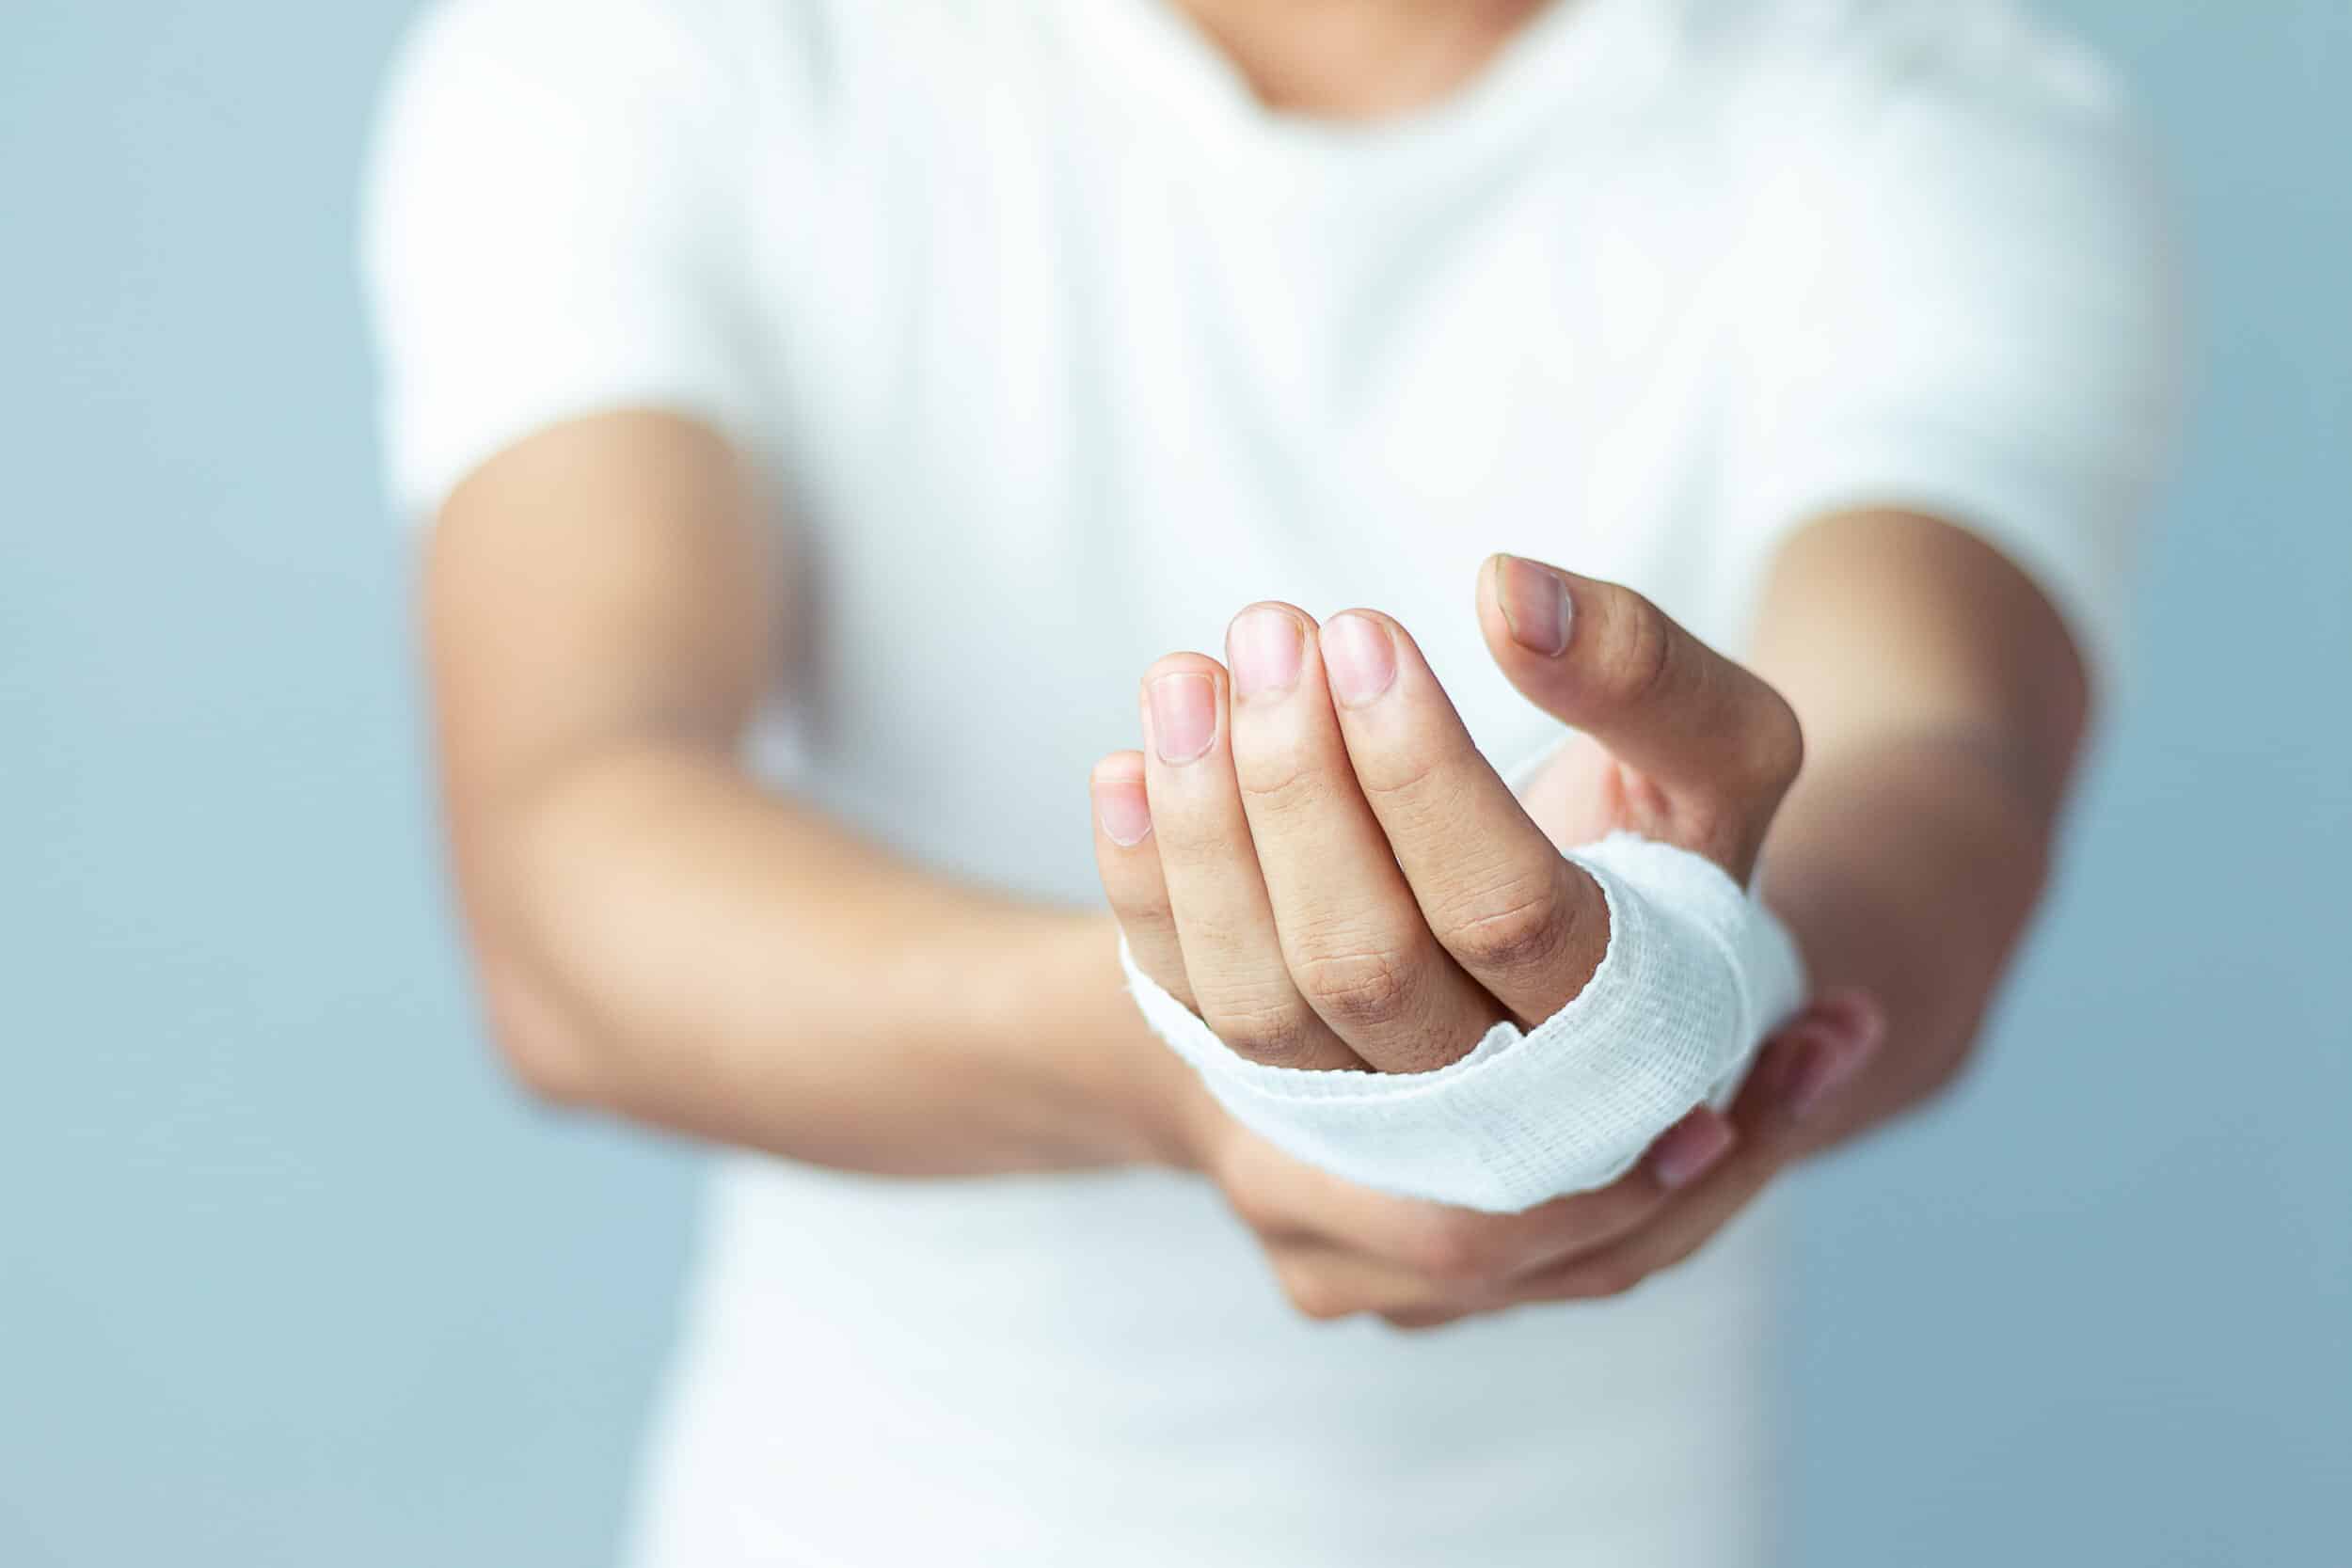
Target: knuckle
(1273,1034)
(1608,1276)
(1276,784)
(1192,837)
(1250,1206)
(1673,1256)
(1778,752)
(1401,775)
(1581,1222)
(1362,987)
(1314,1295)
(1641,655)
(1455,1250)
(1520,927)
(1725,833)
(1141,911)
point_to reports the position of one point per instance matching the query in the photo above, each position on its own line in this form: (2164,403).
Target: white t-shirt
(1064,348)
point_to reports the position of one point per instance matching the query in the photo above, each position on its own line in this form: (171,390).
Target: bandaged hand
(1320,875)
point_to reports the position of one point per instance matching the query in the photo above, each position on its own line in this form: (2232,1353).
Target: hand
(1337,1250)
(1316,857)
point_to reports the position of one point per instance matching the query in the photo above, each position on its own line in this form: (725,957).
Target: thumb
(1605,660)
(1811,1056)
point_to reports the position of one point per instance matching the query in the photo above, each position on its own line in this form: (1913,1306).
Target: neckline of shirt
(1574,56)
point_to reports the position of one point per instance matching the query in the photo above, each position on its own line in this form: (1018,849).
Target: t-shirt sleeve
(547,230)
(1978,319)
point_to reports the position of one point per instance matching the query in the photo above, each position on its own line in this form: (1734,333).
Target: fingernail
(1183,716)
(1535,604)
(1263,647)
(1830,1060)
(1360,658)
(1127,813)
(1690,1149)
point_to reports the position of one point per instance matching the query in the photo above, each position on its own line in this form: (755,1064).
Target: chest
(1089,399)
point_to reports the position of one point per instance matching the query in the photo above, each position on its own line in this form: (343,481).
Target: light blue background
(287,1278)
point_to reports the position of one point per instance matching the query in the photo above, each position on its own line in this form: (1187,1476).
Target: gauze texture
(1696,973)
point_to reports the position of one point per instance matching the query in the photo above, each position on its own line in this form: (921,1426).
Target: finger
(1415,1323)
(1799,1073)
(1605,660)
(1285,1201)
(1589,1221)
(1357,945)
(1327,1283)
(1129,861)
(1232,955)
(1526,924)
(1676,1231)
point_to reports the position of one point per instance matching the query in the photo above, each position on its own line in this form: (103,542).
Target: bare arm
(1942,705)
(660,937)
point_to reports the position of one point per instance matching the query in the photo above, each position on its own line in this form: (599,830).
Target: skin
(1333,882)
(1359,60)
(662,938)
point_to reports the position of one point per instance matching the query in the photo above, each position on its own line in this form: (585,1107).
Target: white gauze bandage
(1696,973)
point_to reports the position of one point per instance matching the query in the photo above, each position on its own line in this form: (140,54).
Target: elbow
(1946,1057)
(546,1054)
(1946,1072)
(1954,1032)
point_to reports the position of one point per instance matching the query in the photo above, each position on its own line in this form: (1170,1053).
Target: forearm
(725,962)
(1944,705)
(1908,865)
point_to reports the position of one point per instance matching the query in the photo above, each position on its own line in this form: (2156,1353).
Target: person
(827,412)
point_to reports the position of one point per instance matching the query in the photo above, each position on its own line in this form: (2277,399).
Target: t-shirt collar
(1572,58)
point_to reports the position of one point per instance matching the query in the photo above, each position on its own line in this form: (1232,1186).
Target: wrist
(1170,1115)
(1142,1103)
(1172,1112)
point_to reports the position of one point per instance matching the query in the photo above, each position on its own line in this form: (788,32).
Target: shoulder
(1850,93)
(713,85)
(553,214)
(622,68)
(1967,283)
(1959,156)
(501,119)
(805,49)
(585,56)
(1884,53)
